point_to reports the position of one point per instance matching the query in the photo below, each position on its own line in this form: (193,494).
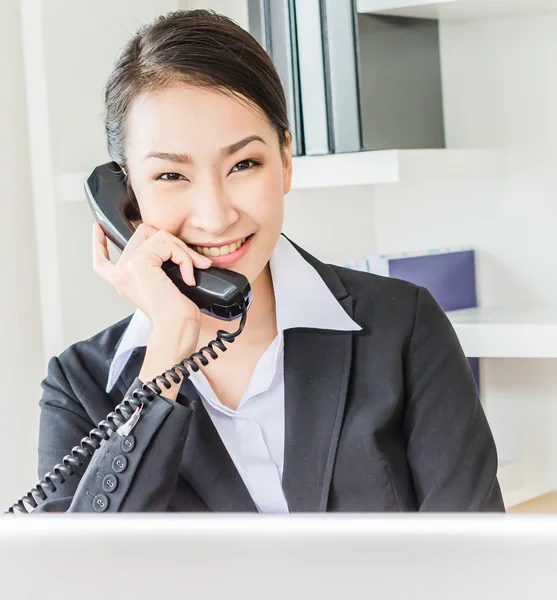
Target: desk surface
(546,504)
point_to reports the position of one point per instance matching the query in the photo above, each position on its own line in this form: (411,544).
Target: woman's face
(208,168)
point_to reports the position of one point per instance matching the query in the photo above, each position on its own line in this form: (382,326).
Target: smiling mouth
(214,251)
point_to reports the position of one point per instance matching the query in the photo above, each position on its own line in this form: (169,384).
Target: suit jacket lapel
(317,365)
(316,374)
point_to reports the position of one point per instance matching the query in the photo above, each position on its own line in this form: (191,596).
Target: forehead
(188,118)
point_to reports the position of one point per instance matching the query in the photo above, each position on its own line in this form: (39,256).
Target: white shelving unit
(455,10)
(359,168)
(504,333)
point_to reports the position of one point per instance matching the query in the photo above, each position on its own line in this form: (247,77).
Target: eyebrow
(187,159)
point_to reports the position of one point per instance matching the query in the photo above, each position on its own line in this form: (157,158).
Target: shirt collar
(302,299)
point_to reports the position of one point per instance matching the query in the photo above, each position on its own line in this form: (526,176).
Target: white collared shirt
(253,434)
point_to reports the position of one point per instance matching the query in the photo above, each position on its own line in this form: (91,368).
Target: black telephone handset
(219,293)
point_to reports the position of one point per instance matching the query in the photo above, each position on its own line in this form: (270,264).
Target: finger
(145,232)
(167,247)
(184,261)
(101,258)
(199,260)
(139,237)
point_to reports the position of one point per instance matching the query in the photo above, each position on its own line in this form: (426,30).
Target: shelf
(455,10)
(505,333)
(394,166)
(339,170)
(359,168)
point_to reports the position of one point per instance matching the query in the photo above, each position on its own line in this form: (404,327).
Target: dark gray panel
(402,104)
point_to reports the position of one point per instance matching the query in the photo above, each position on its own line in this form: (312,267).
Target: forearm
(143,474)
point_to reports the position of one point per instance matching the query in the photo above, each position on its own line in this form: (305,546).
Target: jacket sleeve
(138,474)
(450,447)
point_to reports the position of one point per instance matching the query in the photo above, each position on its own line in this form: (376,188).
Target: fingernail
(188,278)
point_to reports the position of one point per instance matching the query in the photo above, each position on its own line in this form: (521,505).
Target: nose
(213,211)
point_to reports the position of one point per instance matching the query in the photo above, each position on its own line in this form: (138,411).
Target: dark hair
(198,47)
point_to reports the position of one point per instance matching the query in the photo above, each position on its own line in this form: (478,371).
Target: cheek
(263,200)
(152,213)
(154,210)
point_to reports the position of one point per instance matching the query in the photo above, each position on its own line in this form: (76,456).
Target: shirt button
(110,483)
(128,443)
(120,464)
(100,503)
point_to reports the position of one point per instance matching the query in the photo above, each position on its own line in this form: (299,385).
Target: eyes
(243,165)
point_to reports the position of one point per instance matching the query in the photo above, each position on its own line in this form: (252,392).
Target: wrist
(167,347)
(175,319)
(175,341)
(155,364)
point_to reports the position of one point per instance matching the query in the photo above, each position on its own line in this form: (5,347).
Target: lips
(227,259)
(223,250)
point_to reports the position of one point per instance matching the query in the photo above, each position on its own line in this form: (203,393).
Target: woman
(345,392)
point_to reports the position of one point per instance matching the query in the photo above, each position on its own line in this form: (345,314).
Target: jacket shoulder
(92,355)
(381,301)
(360,283)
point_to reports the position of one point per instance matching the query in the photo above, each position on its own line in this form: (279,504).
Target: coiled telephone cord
(142,397)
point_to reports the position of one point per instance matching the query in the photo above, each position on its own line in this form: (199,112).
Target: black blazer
(384,419)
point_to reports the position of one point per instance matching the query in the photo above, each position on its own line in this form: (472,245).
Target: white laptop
(237,557)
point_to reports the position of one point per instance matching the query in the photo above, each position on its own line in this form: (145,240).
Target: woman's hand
(138,277)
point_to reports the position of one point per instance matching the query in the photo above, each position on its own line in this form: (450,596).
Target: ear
(287,163)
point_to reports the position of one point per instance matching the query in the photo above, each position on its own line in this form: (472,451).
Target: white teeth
(219,250)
